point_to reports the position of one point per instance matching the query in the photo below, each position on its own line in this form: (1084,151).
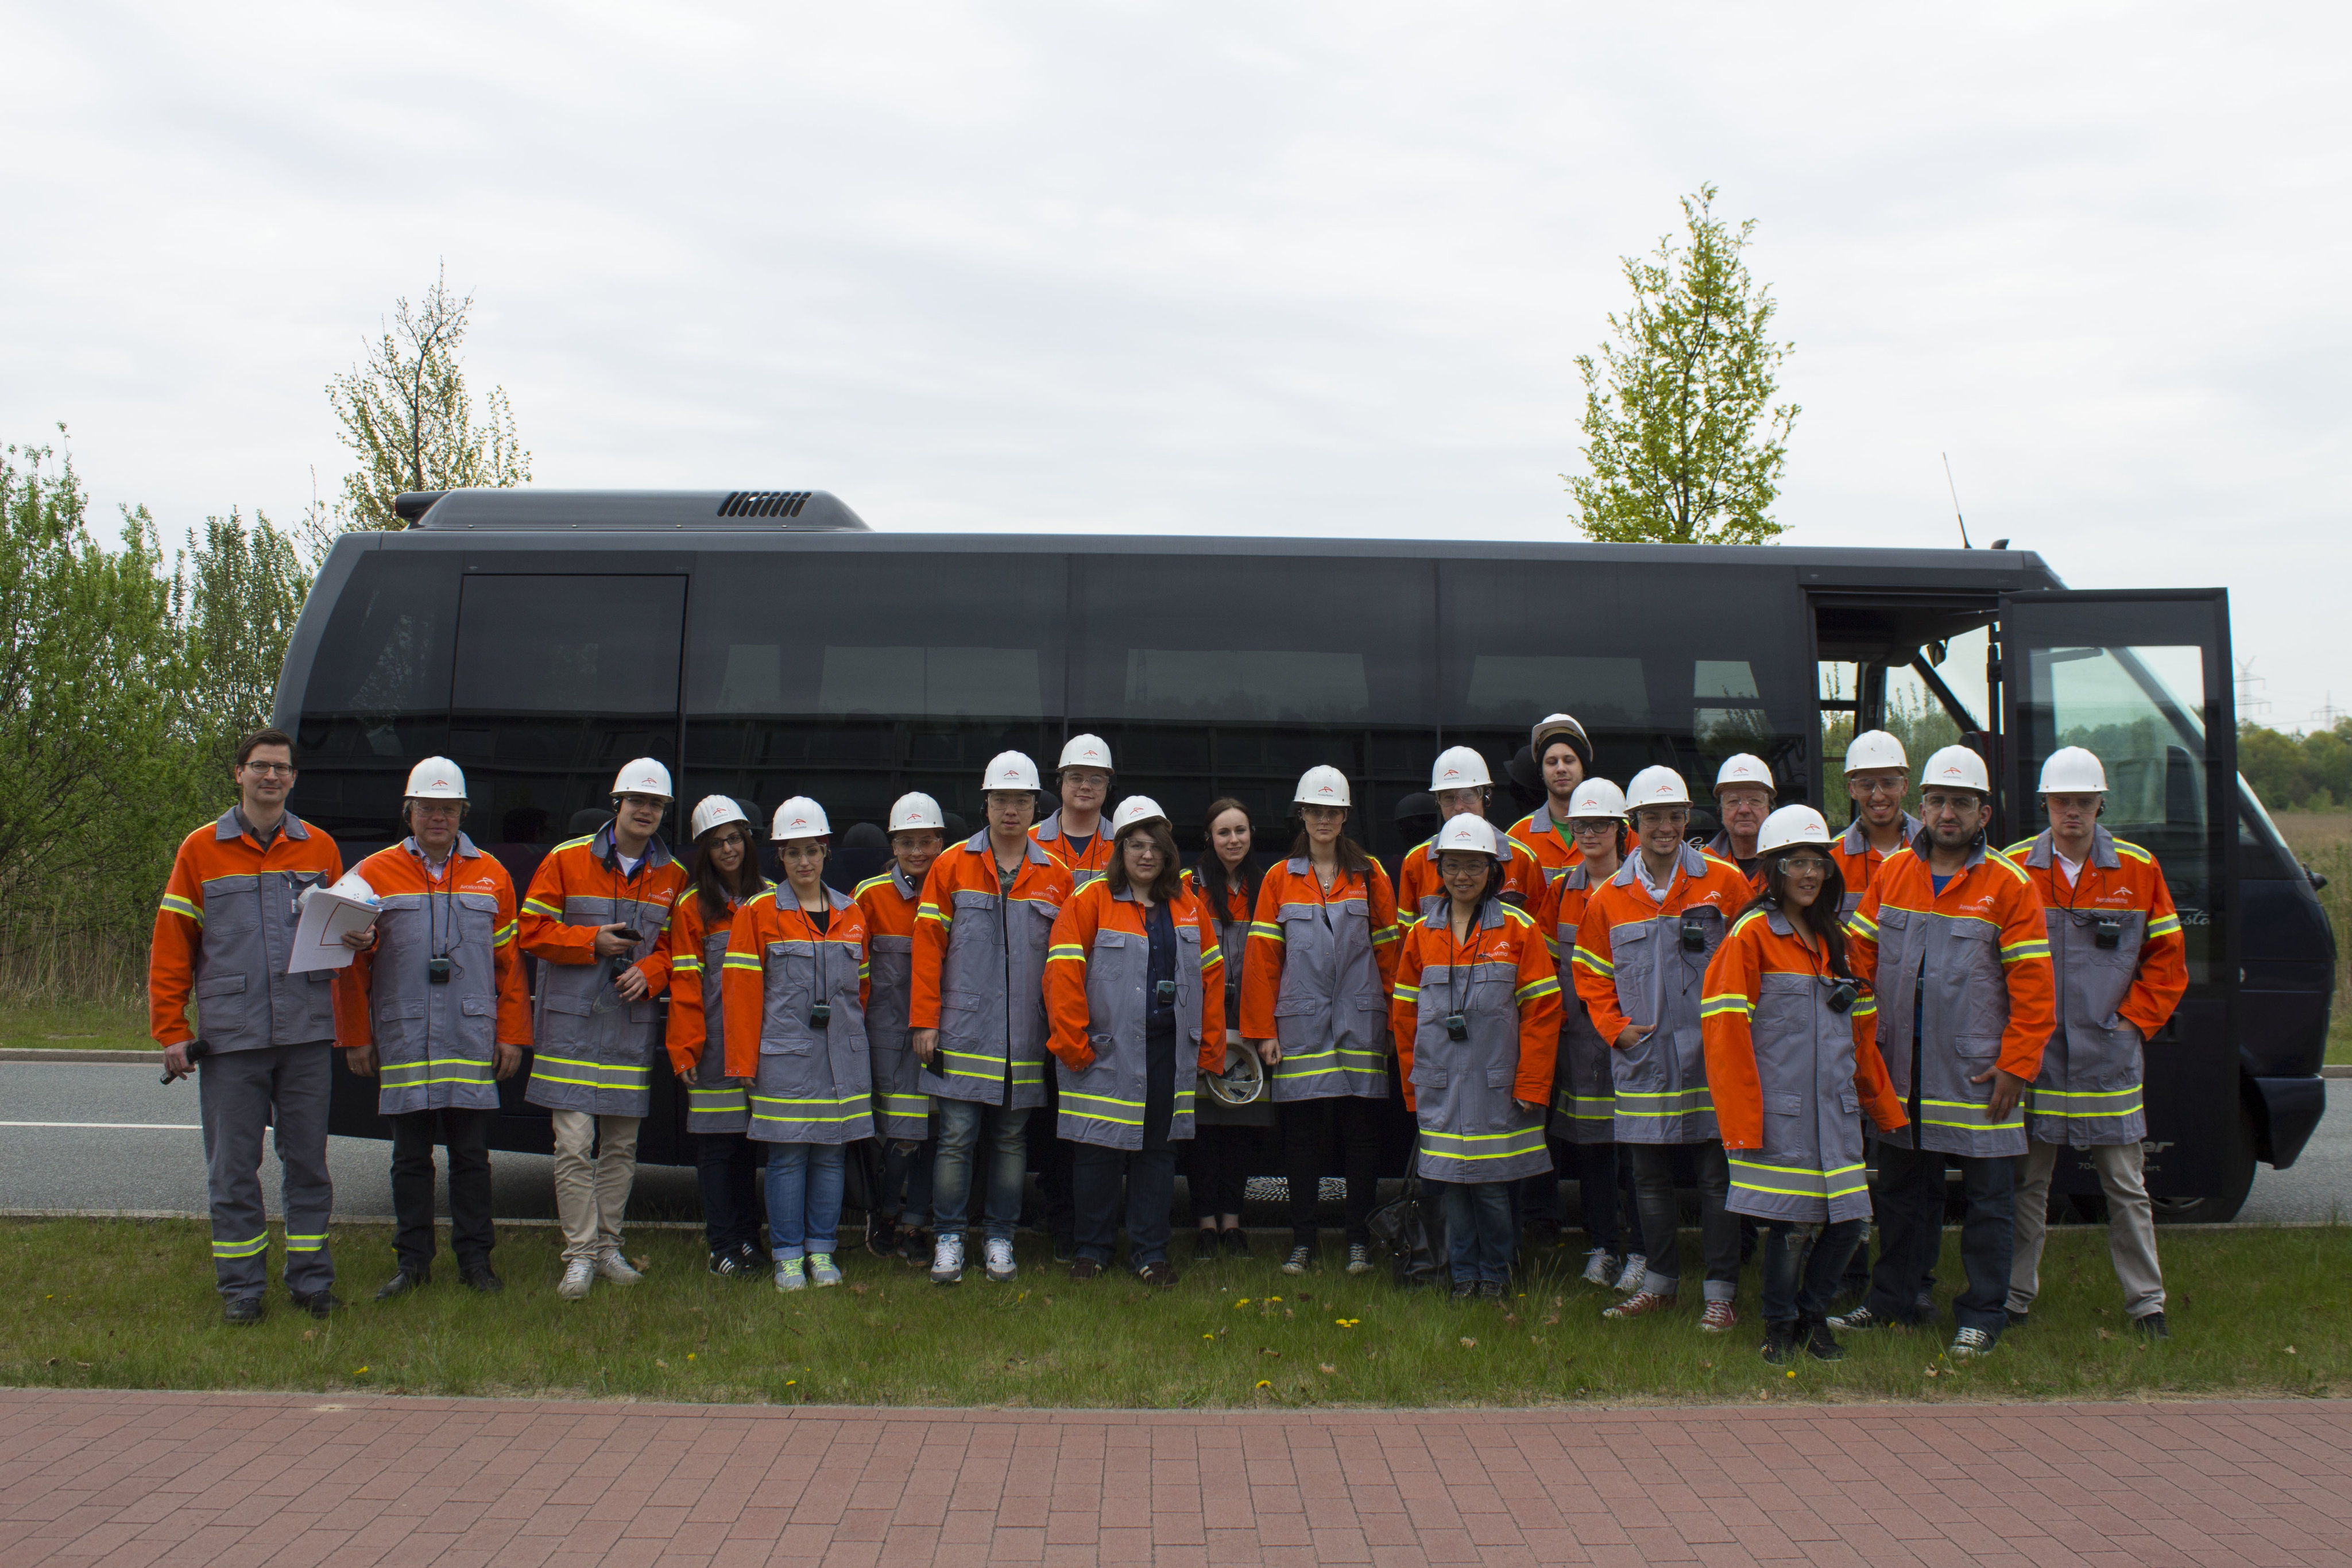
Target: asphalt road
(106,1138)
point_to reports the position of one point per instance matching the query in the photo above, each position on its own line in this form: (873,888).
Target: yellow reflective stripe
(174,905)
(1211,959)
(540,906)
(685,964)
(1729,1002)
(741,961)
(1405,993)
(1865,1007)
(814,1100)
(241,1248)
(933,912)
(1104,1099)
(1385,933)
(1288,1059)
(1269,929)
(1593,961)
(1534,989)
(505,935)
(727,1099)
(1867,927)
(2166,926)
(623,1077)
(306,1243)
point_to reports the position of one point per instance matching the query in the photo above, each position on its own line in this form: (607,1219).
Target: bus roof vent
(528,509)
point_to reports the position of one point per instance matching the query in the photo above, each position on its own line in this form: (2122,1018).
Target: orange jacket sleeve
(1726,1008)
(865,959)
(544,935)
(933,915)
(1066,953)
(655,965)
(1405,1005)
(1212,989)
(1386,931)
(1870,1078)
(1596,971)
(355,1013)
(2163,977)
(743,987)
(1862,936)
(1525,874)
(171,953)
(2032,982)
(687,1028)
(1262,968)
(1416,880)
(1538,994)
(506,964)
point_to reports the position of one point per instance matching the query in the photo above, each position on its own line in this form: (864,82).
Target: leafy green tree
(1683,444)
(407,417)
(234,598)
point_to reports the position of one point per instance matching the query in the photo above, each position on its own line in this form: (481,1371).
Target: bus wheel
(2236,1179)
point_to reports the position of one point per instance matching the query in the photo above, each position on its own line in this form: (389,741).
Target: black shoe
(2016,1317)
(1237,1243)
(881,1233)
(1491,1290)
(1463,1289)
(317,1303)
(1065,1249)
(1085,1268)
(481,1280)
(915,1246)
(1205,1246)
(242,1312)
(731,1266)
(400,1284)
(2152,1325)
(1543,1234)
(1820,1344)
(756,1262)
(1160,1272)
(1780,1342)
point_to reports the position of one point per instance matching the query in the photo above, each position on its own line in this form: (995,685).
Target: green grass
(75,1026)
(123,1303)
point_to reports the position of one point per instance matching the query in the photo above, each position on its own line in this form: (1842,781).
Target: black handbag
(1412,1228)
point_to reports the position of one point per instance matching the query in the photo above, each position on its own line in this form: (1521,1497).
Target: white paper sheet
(327,917)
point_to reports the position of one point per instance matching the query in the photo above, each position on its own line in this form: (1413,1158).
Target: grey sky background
(1218,269)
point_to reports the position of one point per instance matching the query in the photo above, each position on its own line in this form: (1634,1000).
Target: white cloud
(1314,269)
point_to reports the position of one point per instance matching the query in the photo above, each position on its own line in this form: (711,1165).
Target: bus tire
(2237,1180)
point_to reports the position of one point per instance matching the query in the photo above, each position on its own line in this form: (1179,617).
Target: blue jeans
(1798,1282)
(908,1173)
(803,1197)
(957,1130)
(1910,1210)
(1479,1231)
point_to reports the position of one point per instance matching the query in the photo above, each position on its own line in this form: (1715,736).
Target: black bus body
(767,643)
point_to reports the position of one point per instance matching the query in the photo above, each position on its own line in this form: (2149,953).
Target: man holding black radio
(436,1011)
(594,919)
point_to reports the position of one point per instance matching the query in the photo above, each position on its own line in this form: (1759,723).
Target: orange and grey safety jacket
(697,1014)
(1584,1088)
(979,972)
(1640,963)
(1050,836)
(225,934)
(1722,848)
(595,1052)
(435,1043)
(1417,880)
(1790,1074)
(1554,846)
(2120,962)
(1858,862)
(1972,964)
(1098,980)
(1498,989)
(1317,980)
(1232,923)
(901,1110)
(812,1072)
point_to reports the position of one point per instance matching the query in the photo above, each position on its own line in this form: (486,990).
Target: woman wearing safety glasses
(1791,1058)
(795,990)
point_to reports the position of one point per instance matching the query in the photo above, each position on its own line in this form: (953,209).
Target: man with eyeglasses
(1877,776)
(224,936)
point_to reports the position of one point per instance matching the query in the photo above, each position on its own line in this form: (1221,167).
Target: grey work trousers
(2131,1225)
(592,1194)
(239,1094)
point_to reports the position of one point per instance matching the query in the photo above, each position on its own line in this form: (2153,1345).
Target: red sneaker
(1717,1317)
(1640,1304)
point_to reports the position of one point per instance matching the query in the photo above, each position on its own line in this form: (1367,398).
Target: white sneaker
(822,1270)
(1600,1268)
(1001,1267)
(1636,1266)
(578,1275)
(946,1259)
(791,1274)
(615,1268)
(1360,1258)
(1969,1343)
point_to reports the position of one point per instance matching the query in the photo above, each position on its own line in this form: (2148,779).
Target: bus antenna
(1955,489)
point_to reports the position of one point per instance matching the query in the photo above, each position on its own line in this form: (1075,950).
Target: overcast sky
(1314,269)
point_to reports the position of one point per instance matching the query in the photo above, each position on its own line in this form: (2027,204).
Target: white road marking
(116,1126)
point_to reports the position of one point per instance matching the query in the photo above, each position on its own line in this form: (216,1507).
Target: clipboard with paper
(329,915)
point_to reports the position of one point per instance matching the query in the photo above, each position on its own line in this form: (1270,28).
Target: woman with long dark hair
(718,1107)
(1224,1137)
(1322,949)
(1789,1026)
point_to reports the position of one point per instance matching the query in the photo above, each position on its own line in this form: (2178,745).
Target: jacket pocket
(1501,1078)
(1785,1105)
(221,1005)
(477,1007)
(394,1011)
(565,1003)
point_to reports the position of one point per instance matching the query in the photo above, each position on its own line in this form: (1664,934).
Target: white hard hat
(801,818)
(1322,787)
(1010,771)
(1596,797)
(1876,748)
(439,778)
(1744,769)
(1465,832)
(1133,810)
(1559,727)
(1086,751)
(643,777)
(714,811)
(1791,825)
(915,811)
(1459,767)
(1656,786)
(1956,768)
(2071,770)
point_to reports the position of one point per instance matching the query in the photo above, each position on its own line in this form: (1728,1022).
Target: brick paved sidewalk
(227,1481)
